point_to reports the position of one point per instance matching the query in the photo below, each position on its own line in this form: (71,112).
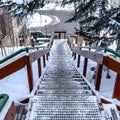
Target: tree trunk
(118,46)
(1,50)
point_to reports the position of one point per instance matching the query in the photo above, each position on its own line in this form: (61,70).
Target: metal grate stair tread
(63,108)
(62,93)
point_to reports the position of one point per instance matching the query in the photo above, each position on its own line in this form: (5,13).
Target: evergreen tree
(98,21)
(23,8)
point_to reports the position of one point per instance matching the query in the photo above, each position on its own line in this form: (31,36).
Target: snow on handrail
(26,49)
(13,55)
(106,49)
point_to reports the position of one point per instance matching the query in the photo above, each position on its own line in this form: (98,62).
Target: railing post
(85,66)
(59,35)
(30,75)
(47,54)
(116,92)
(72,53)
(39,67)
(76,40)
(64,35)
(69,44)
(51,44)
(74,56)
(44,63)
(10,115)
(98,77)
(78,62)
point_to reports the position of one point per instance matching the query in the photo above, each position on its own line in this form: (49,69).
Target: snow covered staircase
(62,93)
(20,112)
(64,108)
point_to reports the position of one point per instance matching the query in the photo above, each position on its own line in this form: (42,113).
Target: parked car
(40,41)
(39,34)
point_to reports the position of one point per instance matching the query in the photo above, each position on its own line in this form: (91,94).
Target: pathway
(62,93)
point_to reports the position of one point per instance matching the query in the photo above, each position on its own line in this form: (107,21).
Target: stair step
(65,108)
(63,87)
(62,93)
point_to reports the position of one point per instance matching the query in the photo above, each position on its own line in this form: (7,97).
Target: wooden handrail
(21,63)
(13,67)
(112,64)
(37,54)
(96,57)
(101,60)
(27,61)
(26,49)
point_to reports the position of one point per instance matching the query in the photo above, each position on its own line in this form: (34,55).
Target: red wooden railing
(60,34)
(26,61)
(101,60)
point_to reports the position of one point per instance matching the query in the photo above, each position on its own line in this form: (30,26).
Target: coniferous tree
(25,7)
(22,9)
(98,21)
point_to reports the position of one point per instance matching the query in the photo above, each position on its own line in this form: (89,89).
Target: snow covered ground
(19,79)
(20,83)
(16,85)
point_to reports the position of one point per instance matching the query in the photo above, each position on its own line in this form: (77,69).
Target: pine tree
(22,9)
(98,21)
